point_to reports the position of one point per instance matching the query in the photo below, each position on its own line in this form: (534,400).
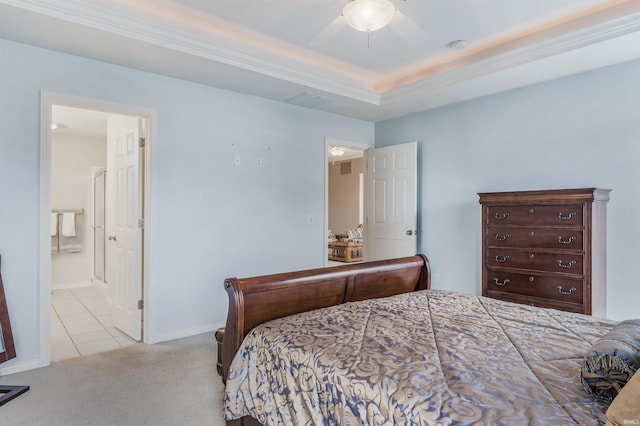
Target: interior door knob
(409,232)
(111,237)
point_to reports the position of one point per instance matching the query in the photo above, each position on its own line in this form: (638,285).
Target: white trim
(19,367)
(65,286)
(95,171)
(47,100)
(187,332)
(333,142)
(337,77)
(46,103)
(511,59)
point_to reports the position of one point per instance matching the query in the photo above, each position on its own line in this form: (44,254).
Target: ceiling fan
(373,15)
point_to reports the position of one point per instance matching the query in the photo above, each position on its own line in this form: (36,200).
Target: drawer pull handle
(501,283)
(567,266)
(571,290)
(501,259)
(502,216)
(501,238)
(567,241)
(568,217)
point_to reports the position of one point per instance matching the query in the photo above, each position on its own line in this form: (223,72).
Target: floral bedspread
(423,358)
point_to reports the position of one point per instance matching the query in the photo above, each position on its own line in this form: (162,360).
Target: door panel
(390,201)
(125,237)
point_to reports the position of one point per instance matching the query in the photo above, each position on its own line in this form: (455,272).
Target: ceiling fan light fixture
(368,15)
(336,151)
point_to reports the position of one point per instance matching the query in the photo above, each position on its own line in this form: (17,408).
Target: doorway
(80,290)
(344,201)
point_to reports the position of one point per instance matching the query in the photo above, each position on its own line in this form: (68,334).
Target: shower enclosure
(98,225)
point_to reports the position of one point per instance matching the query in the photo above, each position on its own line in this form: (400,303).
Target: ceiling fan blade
(328,33)
(407,29)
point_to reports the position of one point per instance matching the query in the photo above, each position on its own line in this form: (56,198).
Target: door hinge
(141,142)
(140,223)
(140,304)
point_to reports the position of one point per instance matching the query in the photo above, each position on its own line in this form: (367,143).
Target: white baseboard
(98,282)
(66,286)
(172,335)
(19,367)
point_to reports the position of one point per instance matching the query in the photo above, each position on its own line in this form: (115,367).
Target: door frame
(47,100)
(95,171)
(332,142)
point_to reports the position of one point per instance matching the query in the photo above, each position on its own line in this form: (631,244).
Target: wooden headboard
(255,300)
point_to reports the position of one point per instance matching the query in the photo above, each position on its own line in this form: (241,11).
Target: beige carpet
(171,383)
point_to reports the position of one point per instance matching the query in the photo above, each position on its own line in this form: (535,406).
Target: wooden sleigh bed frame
(255,300)
(507,362)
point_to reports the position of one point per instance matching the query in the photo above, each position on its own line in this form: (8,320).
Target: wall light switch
(259,163)
(310,219)
(236,161)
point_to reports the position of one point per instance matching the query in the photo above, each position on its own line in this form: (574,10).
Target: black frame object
(7,348)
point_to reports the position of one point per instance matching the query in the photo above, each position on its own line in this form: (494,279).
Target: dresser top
(578,195)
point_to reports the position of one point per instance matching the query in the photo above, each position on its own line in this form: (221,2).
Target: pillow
(612,360)
(625,408)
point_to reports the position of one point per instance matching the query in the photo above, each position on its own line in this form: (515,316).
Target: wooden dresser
(546,248)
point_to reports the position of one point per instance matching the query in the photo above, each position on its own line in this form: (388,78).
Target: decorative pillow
(625,408)
(612,360)
(355,234)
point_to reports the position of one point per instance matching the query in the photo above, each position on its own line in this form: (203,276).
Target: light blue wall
(578,131)
(212,220)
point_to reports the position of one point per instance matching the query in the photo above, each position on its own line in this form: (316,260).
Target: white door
(390,202)
(124,233)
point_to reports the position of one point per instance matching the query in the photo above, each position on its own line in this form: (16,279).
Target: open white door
(124,227)
(390,202)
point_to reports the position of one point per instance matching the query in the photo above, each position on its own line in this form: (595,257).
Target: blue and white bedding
(422,358)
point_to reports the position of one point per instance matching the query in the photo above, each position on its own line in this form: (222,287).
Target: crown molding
(419,86)
(351,84)
(456,74)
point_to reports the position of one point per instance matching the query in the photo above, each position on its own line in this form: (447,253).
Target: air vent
(345,168)
(309,100)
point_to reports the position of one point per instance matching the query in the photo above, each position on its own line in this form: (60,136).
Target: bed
(371,343)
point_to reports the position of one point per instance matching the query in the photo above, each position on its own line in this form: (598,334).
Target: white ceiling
(281,49)
(79,122)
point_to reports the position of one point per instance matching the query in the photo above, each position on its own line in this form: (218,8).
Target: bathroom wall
(72,158)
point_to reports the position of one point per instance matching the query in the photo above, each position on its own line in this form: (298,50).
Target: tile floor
(81,323)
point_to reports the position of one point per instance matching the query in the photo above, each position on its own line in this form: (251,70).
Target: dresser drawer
(553,215)
(538,261)
(569,239)
(543,286)
(537,302)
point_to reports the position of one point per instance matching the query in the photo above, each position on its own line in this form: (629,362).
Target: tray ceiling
(303,52)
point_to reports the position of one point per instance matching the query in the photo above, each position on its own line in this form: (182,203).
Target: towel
(54,224)
(68,224)
(72,244)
